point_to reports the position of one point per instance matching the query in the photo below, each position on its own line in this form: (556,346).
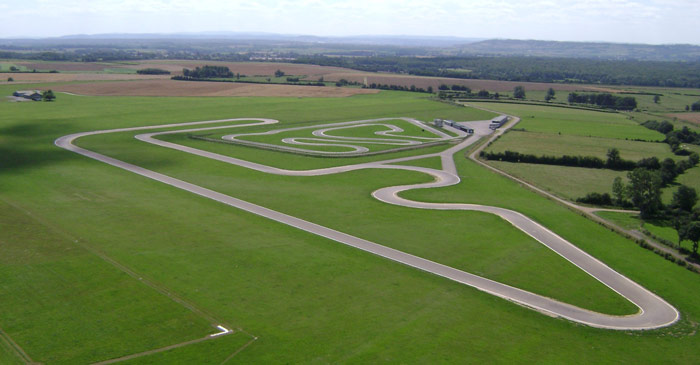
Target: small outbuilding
(28,94)
(498,121)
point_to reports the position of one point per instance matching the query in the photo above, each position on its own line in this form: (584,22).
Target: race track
(654,312)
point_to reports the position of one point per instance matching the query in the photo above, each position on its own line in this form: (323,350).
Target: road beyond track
(654,312)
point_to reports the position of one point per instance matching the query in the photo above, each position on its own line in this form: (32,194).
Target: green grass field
(561,144)
(545,119)
(409,130)
(581,137)
(658,229)
(306,298)
(564,181)
(671,100)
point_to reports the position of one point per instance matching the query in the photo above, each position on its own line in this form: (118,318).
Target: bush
(596,199)
(153,71)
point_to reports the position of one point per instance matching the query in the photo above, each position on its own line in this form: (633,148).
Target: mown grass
(545,119)
(306,298)
(409,130)
(217,351)
(287,160)
(361,215)
(54,288)
(8,355)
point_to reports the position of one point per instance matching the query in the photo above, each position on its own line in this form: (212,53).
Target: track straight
(654,312)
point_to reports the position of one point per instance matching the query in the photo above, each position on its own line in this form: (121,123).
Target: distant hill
(607,51)
(392,40)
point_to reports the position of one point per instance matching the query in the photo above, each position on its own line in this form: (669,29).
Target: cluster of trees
(694,107)
(565,160)
(674,137)
(533,69)
(412,88)
(153,71)
(644,192)
(83,55)
(444,87)
(48,95)
(604,100)
(482,94)
(207,71)
(685,219)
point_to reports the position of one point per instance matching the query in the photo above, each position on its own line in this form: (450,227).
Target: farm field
(279,288)
(564,181)
(690,117)
(671,100)
(550,144)
(578,139)
(545,119)
(167,87)
(435,82)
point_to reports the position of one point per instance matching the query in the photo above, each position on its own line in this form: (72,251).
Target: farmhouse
(498,121)
(28,94)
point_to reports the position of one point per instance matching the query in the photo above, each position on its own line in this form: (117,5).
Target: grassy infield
(306,298)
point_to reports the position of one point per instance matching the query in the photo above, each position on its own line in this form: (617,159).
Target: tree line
(668,167)
(207,71)
(152,71)
(531,69)
(604,100)
(674,137)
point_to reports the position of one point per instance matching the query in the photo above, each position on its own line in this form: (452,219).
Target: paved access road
(654,312)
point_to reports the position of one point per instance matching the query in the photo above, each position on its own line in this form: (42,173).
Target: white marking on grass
(224,331)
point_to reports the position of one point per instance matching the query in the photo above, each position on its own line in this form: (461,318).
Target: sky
(625,21)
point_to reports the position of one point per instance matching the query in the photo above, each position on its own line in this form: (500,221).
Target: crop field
(73,77)
(435,82)
(690,117)
(99,263)
(167,87)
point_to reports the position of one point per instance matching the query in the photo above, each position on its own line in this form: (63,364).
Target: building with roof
(498,121)
(28,94)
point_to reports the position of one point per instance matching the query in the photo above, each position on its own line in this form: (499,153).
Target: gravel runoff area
(654,311)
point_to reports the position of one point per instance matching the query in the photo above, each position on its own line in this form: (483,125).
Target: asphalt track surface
(653,312)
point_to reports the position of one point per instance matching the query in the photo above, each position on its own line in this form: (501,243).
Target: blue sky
(637,21)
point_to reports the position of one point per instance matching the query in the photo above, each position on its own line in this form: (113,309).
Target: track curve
(654,311)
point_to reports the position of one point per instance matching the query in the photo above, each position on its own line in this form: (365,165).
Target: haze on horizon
(623,21)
